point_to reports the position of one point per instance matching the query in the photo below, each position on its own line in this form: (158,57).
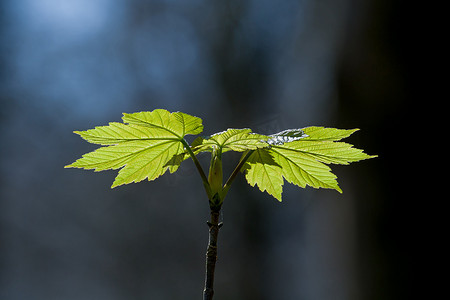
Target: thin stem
(236,171)
(199,168)
(211,255)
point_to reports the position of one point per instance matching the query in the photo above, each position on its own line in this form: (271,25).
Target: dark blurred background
(267,65)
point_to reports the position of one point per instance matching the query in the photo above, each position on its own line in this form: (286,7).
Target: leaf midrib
(314,154)
(161,127)
(127,156)
(299,166)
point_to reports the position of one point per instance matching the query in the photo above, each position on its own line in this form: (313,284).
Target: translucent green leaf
(324,151)
(233,139)
(150,164)
(145,148)
(324,133)
(303,169)
(148,144)
(302,159)
(177,123)
(261,169)
(116,133)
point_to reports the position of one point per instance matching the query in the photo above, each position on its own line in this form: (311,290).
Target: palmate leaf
(144,148)
(148,144)
(302,160)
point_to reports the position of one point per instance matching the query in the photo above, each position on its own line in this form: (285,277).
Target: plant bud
(215,176)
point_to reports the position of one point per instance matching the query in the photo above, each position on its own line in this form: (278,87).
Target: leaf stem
(199,168)
(236,171)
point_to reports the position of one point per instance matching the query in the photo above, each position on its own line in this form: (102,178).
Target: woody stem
(211,254)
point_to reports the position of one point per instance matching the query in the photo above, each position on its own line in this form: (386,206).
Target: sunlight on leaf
(148,144)
(144,148)
(301,159)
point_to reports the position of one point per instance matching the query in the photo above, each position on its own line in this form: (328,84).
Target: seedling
(148,144)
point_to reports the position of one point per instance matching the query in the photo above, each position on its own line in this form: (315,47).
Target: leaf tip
(73,165)
(115,184)
(351,131)
(337,188)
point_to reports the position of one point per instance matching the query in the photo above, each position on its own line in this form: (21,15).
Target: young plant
(147,144)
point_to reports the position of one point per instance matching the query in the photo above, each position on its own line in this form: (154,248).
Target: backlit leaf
(302,159)
(261,169)
(145,148)
(147,144)
(233,139)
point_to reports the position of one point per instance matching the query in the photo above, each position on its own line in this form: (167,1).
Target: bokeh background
(268,65)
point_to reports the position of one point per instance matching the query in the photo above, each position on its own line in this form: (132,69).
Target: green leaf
(116,133)
(232,139)
(148,144)
(326,134)
(302,160)
(177,123)
(145,148)
(303,169)
(262,169)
